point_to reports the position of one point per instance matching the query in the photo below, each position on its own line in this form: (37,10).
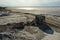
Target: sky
(8,3)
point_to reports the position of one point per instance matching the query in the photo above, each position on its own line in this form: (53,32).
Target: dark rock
(5,36)
(1,15)
(19,26)
(41,24)
(40,20)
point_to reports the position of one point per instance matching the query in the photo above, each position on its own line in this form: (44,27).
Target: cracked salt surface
(55,36)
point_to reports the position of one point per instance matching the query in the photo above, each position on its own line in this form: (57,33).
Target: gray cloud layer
(29,2)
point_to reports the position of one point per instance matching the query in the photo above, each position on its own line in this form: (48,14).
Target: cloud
(56,3)
(26,2)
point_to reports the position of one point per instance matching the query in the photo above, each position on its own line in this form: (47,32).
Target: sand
(55,36)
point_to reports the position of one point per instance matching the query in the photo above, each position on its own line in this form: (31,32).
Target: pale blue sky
(6,3)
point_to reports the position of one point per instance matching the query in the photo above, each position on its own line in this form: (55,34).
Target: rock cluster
(15,25)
